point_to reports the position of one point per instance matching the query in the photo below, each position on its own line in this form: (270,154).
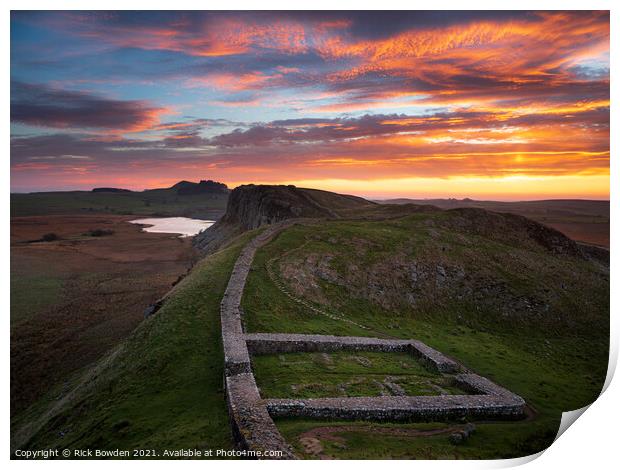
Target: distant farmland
(156,202)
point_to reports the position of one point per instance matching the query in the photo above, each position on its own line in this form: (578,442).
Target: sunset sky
(487,105)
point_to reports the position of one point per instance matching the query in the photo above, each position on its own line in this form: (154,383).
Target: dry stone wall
(252,426)
(273,343)
(251,415)
(490,402)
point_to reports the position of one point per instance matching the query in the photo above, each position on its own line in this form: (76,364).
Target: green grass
(161,388)
(30,295)
(577,293)
(316,375)
(556,361)
(362,440)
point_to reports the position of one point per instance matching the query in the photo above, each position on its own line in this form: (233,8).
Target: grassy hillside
(512,301)
(580,219)
(157,202)
(496,300)
(161,388)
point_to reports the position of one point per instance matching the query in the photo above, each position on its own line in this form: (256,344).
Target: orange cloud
(495,47)
(484,101)
(216,38)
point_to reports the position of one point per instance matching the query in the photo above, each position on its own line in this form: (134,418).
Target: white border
(591,443)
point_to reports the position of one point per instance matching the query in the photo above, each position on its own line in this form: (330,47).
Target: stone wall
(489,402)
(273,343)
(251,416)
(399,408)
(253,428)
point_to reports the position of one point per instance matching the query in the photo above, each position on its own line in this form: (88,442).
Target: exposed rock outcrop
(186,188)
(252,206)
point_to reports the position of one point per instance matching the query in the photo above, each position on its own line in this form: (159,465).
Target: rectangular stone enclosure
(485,399)
(251,415)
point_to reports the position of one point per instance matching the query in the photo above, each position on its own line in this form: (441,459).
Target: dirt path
(312,445)
(275,278)
(311,439)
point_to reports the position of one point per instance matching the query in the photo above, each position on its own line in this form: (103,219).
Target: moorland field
(73,298)
(82,275)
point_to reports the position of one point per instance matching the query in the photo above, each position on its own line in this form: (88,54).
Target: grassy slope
(553,368)
(160,202)
(582,220)
(161,388)
(24,305)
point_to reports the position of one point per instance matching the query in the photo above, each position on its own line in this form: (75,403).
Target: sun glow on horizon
(509,188)
(496,105)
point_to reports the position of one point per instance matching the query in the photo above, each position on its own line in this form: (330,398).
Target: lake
(184,226)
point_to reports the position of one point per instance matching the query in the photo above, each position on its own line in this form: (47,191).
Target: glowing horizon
(481,104)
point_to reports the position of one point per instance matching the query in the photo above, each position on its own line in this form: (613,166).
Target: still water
(184,226)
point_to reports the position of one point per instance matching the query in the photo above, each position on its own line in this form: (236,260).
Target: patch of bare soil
(312,439)
(106,284)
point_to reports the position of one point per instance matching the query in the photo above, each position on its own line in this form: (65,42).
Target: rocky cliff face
(252,206)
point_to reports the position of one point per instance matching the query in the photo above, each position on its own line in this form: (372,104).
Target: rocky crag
(252,206)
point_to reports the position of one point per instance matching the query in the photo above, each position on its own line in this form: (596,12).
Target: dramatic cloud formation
(444,103)
(40,105)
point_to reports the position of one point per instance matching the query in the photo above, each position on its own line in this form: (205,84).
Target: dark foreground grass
(24,304)
(316,375)
(556,367)
(363,440)
(160,389)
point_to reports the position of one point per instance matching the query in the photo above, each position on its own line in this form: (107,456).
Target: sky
(482,104)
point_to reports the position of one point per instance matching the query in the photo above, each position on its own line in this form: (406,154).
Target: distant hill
(581,219)
(110,190)
(204,200)
(184,188)
(544,206)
